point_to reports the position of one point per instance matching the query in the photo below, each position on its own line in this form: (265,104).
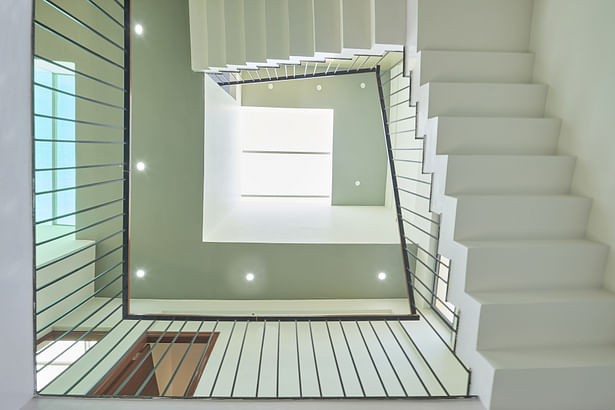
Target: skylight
(286,153)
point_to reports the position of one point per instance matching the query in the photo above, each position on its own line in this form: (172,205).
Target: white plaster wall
(16,260)
(574,55)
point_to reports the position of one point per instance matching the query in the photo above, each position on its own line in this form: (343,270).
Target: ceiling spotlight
(138,29)
(270,86)
(141,166)
(318,87)
(357,183)
(250,277)
(140,273)
(362,85)
(382,276)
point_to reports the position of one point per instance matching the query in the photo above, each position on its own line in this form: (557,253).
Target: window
(286,153)
(54,141)
(445,309)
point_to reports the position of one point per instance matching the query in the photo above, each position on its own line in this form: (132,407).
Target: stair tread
(533,296)
(549,357)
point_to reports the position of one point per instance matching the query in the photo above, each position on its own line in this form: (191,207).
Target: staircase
(536,328)
(255,33)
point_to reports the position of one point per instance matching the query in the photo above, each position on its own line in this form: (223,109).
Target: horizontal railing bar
(198,365)
(79,141)
(371,325)
(79,288)
(90,368)
(118,3)
(420,216)
(78,167)
(400,132)
(427,252)
(421,229)
(71,310)
(145,356)
(78,212)
(82,23)
(399,90)
(407,149)
(402,119)
(103,11)
(396,104)
(231,318)
(445,343)
(313,356)
(80,186)
(96,124)
(287,152)
(77,44)
(78,269)
(81,97)
(416,373)
(134,343)
(337,366)
(79,323)
(260,359)
(433,293)
(352,359)
(153,371)
(79,339)
(79,230)
(414,179)
(386,393)
(430,303)
(81,73)
(391,79)
(243,341)
(429,268)
(414,161)
(181,361)
(414,193)
(228,342)
(420,354)
(68,255)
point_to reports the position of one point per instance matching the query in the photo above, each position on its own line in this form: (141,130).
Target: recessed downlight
(318,87)
(138,29)
(141,166)
(140,273)
(249,276)
(362,85)
(270,86)
(382,276)
(357,183)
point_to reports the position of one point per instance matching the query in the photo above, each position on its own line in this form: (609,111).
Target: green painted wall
(359,151)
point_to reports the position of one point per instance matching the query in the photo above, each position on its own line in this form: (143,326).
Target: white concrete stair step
(234,30)
(475,66)
(277,30)
(390,22)
(198,35)
(508,174)
(534,264)
(357,24)
(327,26)
(484,99)
(481,135)
(255,31)
(216,34)
(570,317)
(301,27)
(568,378)
(515,216)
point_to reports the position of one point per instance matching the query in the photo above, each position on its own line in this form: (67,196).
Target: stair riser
(454,66)
(546,324)
(484,218)
(539,267)
(514,175)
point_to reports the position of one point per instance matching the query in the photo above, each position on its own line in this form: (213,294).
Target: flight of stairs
(247,33)
(536,327)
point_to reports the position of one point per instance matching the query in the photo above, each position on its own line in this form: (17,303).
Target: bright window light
(286,153)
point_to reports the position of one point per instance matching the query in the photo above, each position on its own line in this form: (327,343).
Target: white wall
(16,260)
(574,55)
